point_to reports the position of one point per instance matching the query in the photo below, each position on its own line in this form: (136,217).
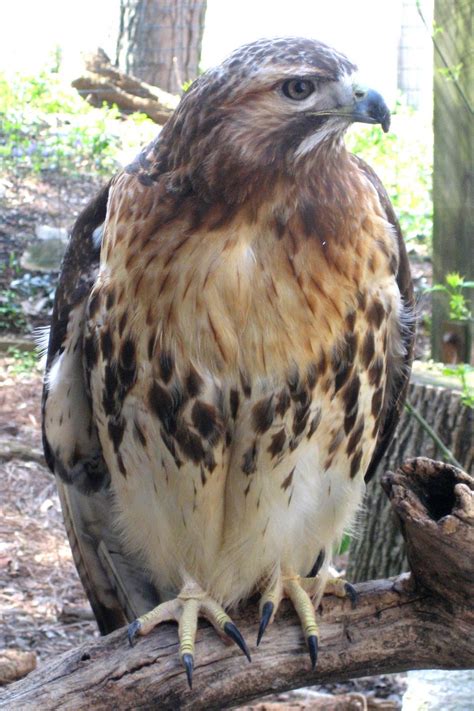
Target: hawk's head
(270,105)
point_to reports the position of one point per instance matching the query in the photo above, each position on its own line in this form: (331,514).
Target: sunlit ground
(439,690)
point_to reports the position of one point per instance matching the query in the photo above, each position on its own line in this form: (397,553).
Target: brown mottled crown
(251,58)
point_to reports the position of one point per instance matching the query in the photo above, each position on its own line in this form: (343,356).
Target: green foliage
(462,371)
(13,264)
(11,313)
(46,126)
(23,362)
(454,287)
(403,160)
(186,85)
(451,73)
(344,545)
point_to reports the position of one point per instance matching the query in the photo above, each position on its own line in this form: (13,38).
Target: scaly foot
(340,588)
(191,603)
(299,591)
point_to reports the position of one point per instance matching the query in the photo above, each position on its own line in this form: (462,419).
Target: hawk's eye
(298,89)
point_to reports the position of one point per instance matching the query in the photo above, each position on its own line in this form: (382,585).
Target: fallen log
(12,449)
(422,619)
(102,82)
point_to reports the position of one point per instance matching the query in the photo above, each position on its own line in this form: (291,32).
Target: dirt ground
(42,605)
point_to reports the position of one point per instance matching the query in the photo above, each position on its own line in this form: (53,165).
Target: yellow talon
(303,605)
(185,609)
(188,626)
(335,586)
(341,588)
(298,590)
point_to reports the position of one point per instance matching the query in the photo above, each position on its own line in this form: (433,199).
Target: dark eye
(297,89)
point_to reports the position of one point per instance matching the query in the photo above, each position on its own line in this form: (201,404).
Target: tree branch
(420,620)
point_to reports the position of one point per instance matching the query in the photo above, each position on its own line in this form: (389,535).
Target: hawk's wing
(400,377)
(118,591)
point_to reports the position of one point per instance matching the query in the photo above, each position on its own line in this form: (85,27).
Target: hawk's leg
(191,603)
(300,591)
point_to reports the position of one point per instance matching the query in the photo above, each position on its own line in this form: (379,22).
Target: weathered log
(11,449)
(424,619)
(104,83)
(378,549)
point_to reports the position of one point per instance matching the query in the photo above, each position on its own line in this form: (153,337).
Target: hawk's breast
(239,390)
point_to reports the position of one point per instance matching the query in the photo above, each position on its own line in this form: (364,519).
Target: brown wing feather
(117,588)
(400,379)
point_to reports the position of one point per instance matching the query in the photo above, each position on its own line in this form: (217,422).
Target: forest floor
(42,605)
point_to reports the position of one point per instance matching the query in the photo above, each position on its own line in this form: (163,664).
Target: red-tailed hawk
(230,349)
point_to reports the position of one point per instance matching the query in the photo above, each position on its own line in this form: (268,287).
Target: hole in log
(85,657)
(437,493)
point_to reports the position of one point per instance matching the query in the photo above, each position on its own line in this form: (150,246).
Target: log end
(434,503)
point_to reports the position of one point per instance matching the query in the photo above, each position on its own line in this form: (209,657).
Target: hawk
(230,349)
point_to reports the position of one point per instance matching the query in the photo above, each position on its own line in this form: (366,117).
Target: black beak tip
(385,121)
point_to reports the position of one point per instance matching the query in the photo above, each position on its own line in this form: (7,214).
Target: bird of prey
(230,349)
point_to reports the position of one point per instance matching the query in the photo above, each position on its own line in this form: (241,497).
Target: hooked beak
(367,106)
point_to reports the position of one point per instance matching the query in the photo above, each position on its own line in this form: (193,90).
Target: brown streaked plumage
(245,345)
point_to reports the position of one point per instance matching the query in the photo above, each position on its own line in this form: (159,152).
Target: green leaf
(436,287)
(345,543)
(454,280)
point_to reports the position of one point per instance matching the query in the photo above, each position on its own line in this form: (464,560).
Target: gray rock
(44,256)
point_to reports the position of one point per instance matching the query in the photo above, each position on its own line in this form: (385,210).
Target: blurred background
(82,87)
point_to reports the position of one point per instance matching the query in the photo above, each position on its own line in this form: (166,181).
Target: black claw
(132,632)
(188,663)
(317,564)
(351,592)
(313,650)
(231,631)
(267,612)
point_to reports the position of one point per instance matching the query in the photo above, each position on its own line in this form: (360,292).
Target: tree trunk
(378,550)
(424,619)
(453,183)
(160,41)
